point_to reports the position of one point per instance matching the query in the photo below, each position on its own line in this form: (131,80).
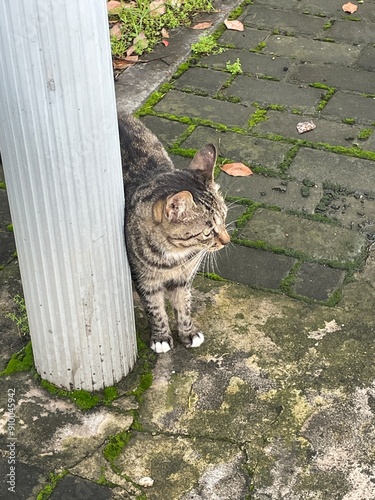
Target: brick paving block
(306,50)
(167,131)
(335,76)
(248,39)
(284,124)
(324,167)
(354,212)
(284,21)
(253,267)
(200,79)
(326,8)
(76,488)
(255,64)
(315,239)
(271,191)
(367,59)
(251,90)
(281,4)
(362,109)
(240,148)
(317,281)
(353,32)
(204,108)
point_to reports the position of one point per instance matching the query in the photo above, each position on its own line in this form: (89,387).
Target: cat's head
(194,218)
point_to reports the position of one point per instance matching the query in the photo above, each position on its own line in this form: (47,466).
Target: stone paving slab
(333,169)
(249,39)
(341,78)
(287,195)
(367,59)
(326,131)
(312,238)
(257,268)
(316,281)
(251,63)
(253,151)
(283,21)
(307,50)
(199,79)
(194,106)
(362,109)
(265,92)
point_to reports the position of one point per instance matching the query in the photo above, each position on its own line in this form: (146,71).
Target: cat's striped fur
(172,219)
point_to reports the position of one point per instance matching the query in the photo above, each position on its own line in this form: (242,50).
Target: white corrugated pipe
(60,152)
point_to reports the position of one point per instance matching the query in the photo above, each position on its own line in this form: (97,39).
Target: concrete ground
(279,402)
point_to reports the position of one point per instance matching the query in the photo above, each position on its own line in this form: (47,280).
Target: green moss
(144,384)
(348,121)
(260,115)
(2,185)
(83,399)
(365,133)
(10,228)
(328,25)
(115,445)
(213,276)
(261,46)
(110,394)
(22,361)
(46,492)
(206,45)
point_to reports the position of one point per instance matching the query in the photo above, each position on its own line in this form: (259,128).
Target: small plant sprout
(234,68)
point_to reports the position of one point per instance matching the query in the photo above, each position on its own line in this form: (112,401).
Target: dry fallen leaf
(234,25)
(305,126)
(202,26)
(164,33)
(350,8)
(157,8)
(124,63)
(165,43)
(141,41)
(236,169)
(116,31)
(113,7)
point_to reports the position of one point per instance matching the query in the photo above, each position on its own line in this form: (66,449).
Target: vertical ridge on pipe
(60,148)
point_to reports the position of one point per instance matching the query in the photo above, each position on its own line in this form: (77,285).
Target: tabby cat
(172,219)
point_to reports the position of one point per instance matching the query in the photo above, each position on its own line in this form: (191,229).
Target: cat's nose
(223,237)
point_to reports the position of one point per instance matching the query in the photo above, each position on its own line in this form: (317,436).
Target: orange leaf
(113,7)
(236,169)
(234,25)
(202,26)
(350,8)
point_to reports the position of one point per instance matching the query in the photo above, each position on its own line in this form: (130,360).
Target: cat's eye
(208,231)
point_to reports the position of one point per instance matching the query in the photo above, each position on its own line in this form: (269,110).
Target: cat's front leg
(189,335)
(161,338)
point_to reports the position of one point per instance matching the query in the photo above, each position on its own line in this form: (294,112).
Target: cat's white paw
(160,347)
(198,339)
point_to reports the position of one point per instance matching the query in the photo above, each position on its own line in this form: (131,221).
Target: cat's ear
(178,206)
(174,208)
(204,162)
